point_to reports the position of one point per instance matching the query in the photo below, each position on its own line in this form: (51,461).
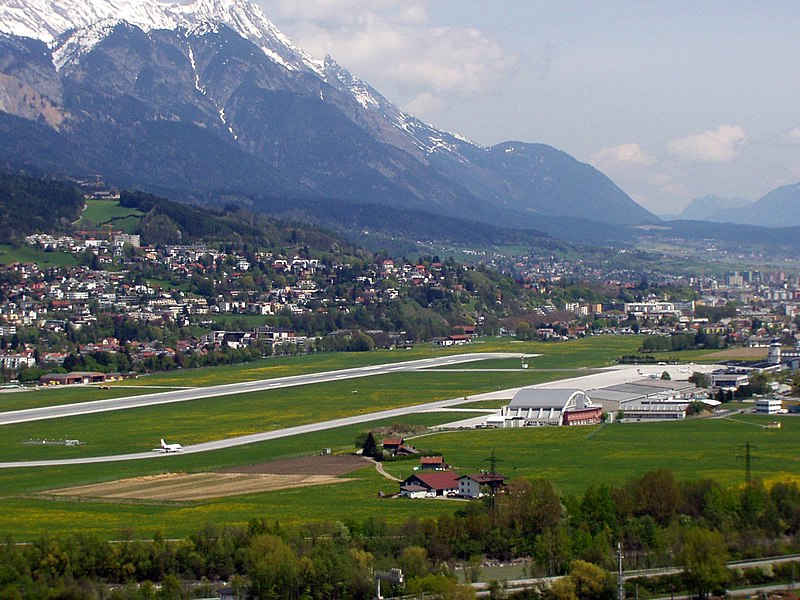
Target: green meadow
(219,417)
(29,254)
(590,352)
(598,351)
(57,395)
(26,513)
(572,458)
(108,212)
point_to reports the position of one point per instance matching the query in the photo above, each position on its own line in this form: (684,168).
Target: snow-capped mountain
(202,97)
(90,21)
(47,20)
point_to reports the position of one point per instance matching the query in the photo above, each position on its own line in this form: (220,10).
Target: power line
(748,458)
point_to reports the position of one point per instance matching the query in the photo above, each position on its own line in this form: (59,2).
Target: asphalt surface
(185,395)
(593,379)
(68,410)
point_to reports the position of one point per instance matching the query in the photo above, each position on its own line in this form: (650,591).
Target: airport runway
(594,380)
(256,437)
(184,395)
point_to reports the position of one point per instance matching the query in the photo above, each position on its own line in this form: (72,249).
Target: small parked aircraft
(170,447)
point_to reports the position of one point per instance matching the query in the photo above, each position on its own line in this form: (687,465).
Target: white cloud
(721,145)
(792,136)
(392,44)
(426,104)
(332,13)
(624,154)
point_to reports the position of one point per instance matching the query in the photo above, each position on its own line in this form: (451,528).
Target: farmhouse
(437,483)
(534,407)
(435,463)
(397,446)
(471,486)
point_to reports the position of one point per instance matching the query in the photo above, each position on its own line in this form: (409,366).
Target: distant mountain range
(712,208)
(206,101)
(778,208)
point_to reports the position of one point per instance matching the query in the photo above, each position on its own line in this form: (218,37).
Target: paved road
(594,380)
(519,585)
(184,395)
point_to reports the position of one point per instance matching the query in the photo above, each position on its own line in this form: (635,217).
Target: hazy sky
(671,99)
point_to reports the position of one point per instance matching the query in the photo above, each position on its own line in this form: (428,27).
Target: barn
(439,483)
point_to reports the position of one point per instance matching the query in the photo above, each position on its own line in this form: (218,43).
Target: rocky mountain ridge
(205,100)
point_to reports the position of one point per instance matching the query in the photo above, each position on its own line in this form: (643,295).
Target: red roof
(393,442)
(431,460)
(436,480)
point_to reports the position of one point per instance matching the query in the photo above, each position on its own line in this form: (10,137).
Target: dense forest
(657,520)
(29,205)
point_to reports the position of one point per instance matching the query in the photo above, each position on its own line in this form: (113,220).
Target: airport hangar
(640,400)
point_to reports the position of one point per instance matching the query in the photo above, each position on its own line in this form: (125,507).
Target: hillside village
(51,313)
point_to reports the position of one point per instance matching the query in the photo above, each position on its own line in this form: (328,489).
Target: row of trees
(681,341)
(658,521)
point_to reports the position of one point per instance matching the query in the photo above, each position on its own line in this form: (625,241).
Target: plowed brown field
(266,477)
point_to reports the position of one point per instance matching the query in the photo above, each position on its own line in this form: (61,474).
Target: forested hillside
(29,205)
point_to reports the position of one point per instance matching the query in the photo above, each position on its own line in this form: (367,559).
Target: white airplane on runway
(170,447)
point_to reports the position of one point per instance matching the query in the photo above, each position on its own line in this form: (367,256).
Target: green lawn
(56,395)
(29,254)
(574,457)
(571,457)
(26,514)
(105,212)
(139,429)
(596,351)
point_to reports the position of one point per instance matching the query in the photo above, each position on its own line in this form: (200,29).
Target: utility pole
(620,588)
(493,460)
(748,458)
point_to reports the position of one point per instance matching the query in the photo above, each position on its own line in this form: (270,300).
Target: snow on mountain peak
(73,27)
(72,47)
(46,20)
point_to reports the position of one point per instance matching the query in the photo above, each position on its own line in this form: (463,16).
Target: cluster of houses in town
(296,279)
(58,299)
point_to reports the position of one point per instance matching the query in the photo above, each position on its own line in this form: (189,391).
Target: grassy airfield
(571,457)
